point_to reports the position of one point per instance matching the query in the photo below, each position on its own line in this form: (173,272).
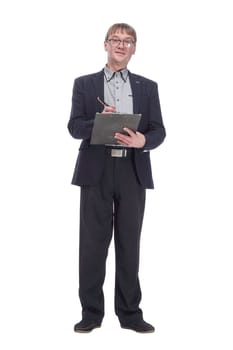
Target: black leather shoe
(86,326)
(140,327)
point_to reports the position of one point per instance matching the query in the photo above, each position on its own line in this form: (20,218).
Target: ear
(105,46)
(134,50)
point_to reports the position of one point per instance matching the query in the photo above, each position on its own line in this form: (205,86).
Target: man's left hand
(133,139)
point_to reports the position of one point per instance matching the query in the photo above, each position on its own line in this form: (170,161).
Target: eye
(115,41)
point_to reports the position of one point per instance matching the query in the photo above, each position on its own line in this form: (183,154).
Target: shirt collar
(109,74)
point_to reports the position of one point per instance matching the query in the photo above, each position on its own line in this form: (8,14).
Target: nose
(121,44)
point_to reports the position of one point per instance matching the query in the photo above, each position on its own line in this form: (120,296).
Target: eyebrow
(117,37)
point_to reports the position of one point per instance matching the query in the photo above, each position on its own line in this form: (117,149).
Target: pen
(102,102)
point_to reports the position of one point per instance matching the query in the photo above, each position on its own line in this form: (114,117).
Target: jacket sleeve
(155,132)
(79,125)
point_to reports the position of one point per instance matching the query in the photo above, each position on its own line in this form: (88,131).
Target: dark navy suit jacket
(91,158)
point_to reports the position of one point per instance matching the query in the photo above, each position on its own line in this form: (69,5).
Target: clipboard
(107,124)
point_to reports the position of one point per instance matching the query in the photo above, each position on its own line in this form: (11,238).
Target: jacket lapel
(136,91)
(98,83)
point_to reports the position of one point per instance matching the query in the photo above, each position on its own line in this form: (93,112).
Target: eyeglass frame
(128,43)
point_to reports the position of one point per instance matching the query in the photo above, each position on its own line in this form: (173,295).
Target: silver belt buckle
(118,152)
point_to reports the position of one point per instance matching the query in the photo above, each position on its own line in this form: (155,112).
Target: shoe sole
(131,329)
(85,330)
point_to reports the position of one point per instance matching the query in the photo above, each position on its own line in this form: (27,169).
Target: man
(113,181)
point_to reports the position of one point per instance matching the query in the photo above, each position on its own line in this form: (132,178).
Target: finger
(109,109)
(129,131)
(122,138)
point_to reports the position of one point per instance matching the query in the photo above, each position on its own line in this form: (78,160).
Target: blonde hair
(122,27)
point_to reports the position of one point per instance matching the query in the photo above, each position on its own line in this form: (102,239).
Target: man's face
(120,47)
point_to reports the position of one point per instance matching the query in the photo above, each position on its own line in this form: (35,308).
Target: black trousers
(115,205)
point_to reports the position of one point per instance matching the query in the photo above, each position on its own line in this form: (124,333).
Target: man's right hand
(109,109)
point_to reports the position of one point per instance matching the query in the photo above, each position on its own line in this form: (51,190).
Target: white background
(186,251)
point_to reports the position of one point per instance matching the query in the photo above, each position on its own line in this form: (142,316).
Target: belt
(119,152)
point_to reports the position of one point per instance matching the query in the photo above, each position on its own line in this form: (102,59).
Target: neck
(115,67)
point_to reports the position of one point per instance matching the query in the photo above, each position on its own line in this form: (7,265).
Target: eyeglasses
(126,43)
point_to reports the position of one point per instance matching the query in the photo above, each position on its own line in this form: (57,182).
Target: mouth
(121,53)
